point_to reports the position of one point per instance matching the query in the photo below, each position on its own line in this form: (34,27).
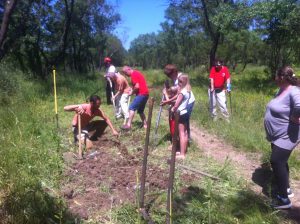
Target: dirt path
(248,165)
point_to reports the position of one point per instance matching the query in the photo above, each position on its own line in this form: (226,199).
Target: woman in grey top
(282,129)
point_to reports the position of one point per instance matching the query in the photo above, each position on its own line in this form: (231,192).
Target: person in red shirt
(219,75)
(88,112)
(139,87)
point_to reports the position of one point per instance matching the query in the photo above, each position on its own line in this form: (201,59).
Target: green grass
(31,150)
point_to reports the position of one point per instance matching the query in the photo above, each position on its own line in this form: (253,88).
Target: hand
(173,110)
(130,92)
(79,110)
(164,91)
(113,98)
(295,119)
(115,133)
(162,103)
(212,89)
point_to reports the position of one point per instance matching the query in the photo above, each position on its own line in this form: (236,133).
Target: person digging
(87,113)
(139,88)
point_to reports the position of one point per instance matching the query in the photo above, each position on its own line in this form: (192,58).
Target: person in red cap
(109,84)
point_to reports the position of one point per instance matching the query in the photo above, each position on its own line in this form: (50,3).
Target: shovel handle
(79,134)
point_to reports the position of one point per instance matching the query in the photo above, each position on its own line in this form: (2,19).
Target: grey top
(279,129)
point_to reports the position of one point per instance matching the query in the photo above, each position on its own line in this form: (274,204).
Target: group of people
(178,96)
(282,117)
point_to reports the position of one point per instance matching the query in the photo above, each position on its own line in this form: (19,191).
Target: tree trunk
(213,50)
(67,25)
(9,7)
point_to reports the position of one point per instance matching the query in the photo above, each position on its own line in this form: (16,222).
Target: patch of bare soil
(107,178)
(247,164)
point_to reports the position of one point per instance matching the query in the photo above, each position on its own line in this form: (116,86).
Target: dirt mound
(107,178)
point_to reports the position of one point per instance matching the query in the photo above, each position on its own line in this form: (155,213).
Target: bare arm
(212,85)
(178,102)
(228,81)
(77,108)
(135,89)
(106,119)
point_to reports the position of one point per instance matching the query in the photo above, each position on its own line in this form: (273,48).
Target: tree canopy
(78,34)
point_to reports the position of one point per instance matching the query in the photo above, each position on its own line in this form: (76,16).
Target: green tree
(67,33)
(278,21)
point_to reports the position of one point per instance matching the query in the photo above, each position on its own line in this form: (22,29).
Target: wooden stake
(144,168)
(55,96)
(172,171)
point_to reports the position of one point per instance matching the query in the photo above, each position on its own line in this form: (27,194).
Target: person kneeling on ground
(88,112)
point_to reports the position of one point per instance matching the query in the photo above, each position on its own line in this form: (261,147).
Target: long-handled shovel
(229,94)
(158,118)
(79,138)
(112,95)
(167,86)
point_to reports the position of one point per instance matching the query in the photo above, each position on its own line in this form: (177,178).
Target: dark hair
(94,98)
(288,74)
(218,61)
(170,69)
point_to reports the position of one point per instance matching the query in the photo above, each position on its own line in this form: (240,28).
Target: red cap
(107,59)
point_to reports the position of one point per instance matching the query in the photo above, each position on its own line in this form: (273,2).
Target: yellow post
(55,97)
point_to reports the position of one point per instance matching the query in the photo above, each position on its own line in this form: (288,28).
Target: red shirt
(219,77)
(137,77)
(87,115)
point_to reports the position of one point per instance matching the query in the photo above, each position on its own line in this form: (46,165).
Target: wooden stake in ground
(79,137)
(144,168)
(172,171)
(55,97)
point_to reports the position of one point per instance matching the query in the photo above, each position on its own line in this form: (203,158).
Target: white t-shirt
(186,96)
(192,97)
(110,69)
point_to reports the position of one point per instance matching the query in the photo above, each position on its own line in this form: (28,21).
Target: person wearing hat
(109,84)
(219,75)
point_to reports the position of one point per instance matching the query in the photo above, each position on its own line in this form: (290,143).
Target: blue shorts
(183,118)
(139,103)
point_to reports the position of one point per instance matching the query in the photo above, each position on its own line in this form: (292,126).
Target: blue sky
(139,17)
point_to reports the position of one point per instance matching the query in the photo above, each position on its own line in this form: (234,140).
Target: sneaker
(290,193)
(119,117)
(281,203)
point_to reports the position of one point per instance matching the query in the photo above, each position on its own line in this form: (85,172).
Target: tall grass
(31,162)
(31,146)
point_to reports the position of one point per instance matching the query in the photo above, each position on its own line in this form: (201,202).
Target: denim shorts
(139,103)
(183,118)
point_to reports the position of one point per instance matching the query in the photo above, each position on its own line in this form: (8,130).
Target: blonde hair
(185,81)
